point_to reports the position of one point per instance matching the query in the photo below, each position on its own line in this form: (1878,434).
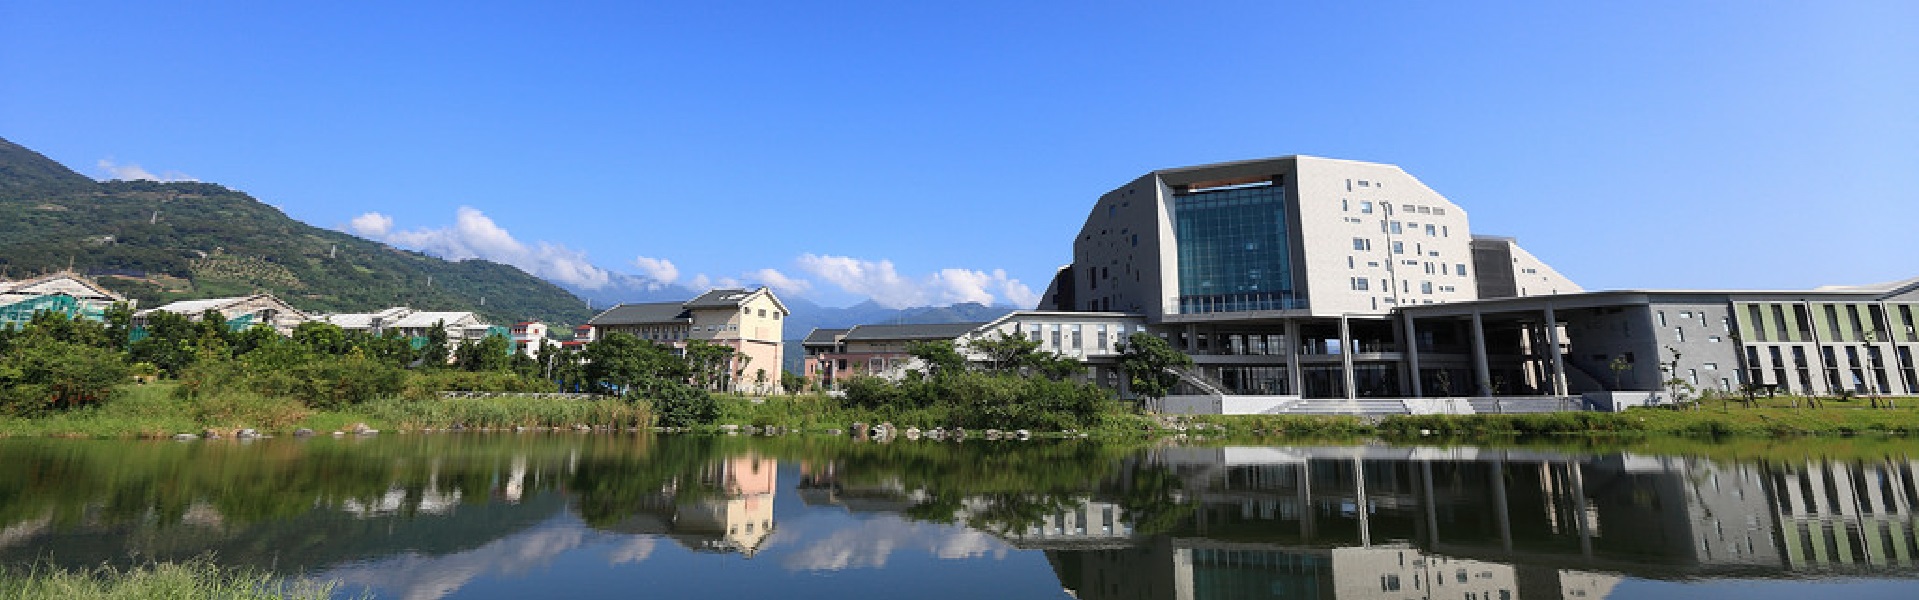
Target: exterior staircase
(1206,385)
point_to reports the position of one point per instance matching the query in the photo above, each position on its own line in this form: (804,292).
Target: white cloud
(473,235)
(870,543)
(882,282)
(657,269)
(373,225)
(780,282)
(134,172)
(874,279)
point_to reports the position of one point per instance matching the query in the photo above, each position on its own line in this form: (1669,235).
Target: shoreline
(150,412)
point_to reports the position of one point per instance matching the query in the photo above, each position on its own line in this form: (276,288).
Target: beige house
(242,311)
(749,322)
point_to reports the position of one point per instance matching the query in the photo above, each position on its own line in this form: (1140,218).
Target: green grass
(198,579)
(816,412)
(153,410)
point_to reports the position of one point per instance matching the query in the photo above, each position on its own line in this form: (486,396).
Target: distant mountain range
(158,242)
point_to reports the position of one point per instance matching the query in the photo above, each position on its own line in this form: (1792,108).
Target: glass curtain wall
(1234,250)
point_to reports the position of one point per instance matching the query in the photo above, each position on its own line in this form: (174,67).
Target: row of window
(749,312)
(1366,208)
(1363,284)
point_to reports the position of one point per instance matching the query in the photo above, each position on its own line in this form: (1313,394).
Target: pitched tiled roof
(195,307)
(719,298)
(823,336)
(425,319)
(938,331)
(641,314)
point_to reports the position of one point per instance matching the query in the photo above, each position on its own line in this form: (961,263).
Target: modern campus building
(749,322)
(1306,278)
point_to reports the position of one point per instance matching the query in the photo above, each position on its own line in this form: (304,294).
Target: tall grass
(197,579)
(504,411)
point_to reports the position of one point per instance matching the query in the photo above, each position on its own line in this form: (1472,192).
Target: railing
(1199,380)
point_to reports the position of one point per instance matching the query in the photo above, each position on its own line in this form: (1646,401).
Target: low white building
(240,312)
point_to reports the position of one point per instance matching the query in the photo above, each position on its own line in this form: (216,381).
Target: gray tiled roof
(642,314)
(938,331)
(823,336)
(719,298)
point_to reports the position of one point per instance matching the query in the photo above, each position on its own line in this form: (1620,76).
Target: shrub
(681,405)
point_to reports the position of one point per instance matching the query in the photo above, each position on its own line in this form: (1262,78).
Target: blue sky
(920,153)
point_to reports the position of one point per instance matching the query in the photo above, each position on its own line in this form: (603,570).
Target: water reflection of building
(1188,569)
(1834,513)
(1378,522)
(726,506)
(741,517)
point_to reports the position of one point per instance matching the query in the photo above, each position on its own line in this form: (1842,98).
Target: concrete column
(1305,485)
(1579,504)
(1192,339)
(1552,345)
(1432,504)
(1500,507)
(1819,383)
(1346,357)
(1294,381)
(1412,355)
(1359,503)
(1482,374)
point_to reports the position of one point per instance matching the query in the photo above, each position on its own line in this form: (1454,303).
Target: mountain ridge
(164,241)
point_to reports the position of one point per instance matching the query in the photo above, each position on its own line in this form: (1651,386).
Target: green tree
(625,363)
(1619,366)
(491,354)
(709,363)
(938,358)
(169,343)
(1678,386)
(1148,363)
(322,338)
(437,351)
(1005,352)
(40,372)
(680,405)
(792,382)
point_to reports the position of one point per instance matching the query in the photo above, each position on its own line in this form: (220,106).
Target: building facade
(749,322)
(1280,276)
(240,312)
(1094,338)
(67,292)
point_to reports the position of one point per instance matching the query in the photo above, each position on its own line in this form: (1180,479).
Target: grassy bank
(155,411)
(813,412)
(1709,422)
(192,580)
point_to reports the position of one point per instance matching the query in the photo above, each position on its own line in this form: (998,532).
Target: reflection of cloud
(869,543)
(420,577)
(633,551)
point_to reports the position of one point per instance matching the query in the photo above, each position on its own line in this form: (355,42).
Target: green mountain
(159,242)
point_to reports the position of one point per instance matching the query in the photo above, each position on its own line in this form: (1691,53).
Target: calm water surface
(599,515)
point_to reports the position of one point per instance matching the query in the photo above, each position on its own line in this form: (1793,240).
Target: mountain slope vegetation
(158,242)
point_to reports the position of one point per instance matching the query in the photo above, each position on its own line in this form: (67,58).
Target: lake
(598,515)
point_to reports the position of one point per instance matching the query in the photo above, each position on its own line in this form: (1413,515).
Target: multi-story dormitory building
(1306,277)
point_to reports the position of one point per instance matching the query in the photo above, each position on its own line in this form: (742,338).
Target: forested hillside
(159,242)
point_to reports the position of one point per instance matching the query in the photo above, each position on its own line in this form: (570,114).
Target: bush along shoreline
(79,378)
